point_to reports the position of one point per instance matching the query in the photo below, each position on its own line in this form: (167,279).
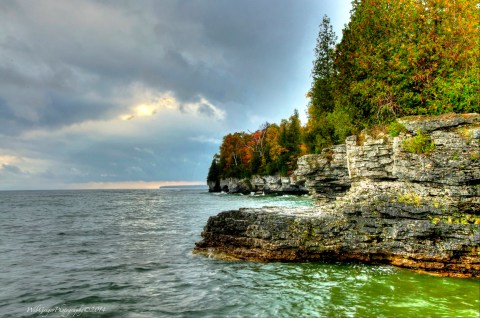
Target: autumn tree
(233,155)
(273,150)
(256,145)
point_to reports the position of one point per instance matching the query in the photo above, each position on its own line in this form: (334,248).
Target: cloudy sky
(112,93)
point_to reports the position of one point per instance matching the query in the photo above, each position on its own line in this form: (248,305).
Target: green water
(129,252)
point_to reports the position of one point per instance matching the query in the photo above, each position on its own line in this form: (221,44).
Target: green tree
(255,163)
(290,140)
(321,97)
(319,131)
(214,174)
(273,149)
(293,133)
(408,57)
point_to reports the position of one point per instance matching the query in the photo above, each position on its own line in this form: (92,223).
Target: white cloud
(205,108)
(147,103)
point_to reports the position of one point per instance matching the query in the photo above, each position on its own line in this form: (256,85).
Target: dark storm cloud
(59,109)
(224,50)
(69,70)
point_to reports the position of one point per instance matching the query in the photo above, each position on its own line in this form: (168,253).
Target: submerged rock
(381,205)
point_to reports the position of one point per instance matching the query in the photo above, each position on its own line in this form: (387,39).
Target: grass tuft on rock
(419,144)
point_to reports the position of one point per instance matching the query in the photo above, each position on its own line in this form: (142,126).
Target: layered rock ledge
(259,184)
(380,204)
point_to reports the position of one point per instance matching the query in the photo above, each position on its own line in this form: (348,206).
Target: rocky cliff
(259,184)
(412,201)
(326,175)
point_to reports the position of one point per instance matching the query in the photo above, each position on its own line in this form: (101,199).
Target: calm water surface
(128,254)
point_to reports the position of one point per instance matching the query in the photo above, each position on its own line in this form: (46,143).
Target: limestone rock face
(276,184)
(428,124)
(324,175)
(213,186)
(380,204)
(407,240)
(373,159)
(454,161)
(262,184)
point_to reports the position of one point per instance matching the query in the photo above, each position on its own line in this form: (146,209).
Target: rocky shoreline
(378,203)
(259,184)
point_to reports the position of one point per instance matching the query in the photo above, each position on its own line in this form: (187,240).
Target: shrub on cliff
(395,128)
(419,144)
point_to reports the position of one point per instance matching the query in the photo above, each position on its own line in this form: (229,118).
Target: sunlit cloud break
(202,107)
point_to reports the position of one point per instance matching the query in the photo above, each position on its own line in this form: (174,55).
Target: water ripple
(130,252)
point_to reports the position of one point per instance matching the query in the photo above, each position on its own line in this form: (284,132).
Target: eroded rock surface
(260,184)
(324,175)
(380,204)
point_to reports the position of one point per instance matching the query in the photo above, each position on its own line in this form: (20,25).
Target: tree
(408,57)
(290,138)
(256,145)
(321,98)
(231,155)
(319,131)
(214,174)
(273,150)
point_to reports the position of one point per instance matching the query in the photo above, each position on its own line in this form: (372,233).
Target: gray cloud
(11,169)
(70,69)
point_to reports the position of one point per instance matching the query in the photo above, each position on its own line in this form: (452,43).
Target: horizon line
(120,185)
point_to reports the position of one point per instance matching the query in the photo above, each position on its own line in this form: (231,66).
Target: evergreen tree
(293,134)
(214,174)
(289,140)
(319,131)
(321,97)
(255,163)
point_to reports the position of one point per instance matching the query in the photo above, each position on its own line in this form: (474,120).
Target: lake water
(128,254)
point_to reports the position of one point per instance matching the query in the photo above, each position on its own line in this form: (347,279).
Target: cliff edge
(412,201)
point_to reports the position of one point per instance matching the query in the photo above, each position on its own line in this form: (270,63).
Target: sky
(138,94)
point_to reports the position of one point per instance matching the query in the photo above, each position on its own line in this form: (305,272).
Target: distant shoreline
(194,186)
